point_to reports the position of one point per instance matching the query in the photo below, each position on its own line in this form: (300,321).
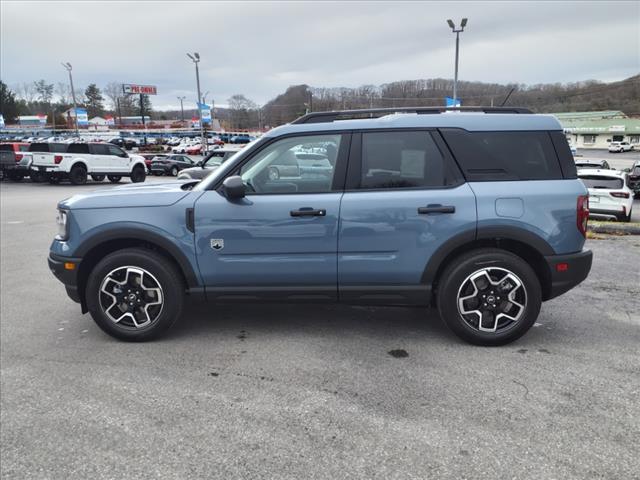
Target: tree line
(40,97)
(244,114)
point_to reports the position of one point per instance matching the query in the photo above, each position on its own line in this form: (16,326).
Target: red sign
(131,88)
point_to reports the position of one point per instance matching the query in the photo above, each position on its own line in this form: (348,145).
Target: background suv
(477,213)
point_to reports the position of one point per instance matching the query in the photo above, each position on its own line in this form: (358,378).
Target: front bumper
(69,277)
(567,271)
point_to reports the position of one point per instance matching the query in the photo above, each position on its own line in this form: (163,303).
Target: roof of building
(472,121)
(613,125)
(597,115)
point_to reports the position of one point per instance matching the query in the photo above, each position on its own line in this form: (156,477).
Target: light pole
(181,109)
(204,97)
(73,95)
(203,140)
(457,31)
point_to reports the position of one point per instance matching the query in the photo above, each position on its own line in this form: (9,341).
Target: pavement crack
(526,389)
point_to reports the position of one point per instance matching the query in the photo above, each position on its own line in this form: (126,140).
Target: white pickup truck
(83,159)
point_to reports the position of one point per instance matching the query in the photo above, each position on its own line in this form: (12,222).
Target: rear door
(99,160)
(404,199)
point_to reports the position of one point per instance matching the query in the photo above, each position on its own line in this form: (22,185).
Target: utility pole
(457,31)
(144,125)
(73,95)
(203,140)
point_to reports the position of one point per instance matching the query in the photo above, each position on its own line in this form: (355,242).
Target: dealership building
(598,129)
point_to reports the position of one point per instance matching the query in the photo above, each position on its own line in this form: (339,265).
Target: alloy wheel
(492,299)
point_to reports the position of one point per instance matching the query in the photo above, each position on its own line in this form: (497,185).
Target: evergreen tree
(8,104)
(93,101)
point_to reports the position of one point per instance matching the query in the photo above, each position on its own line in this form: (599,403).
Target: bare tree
(26,91)
(63,91)
(113,91)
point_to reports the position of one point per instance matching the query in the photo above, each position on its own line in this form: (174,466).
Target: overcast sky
(261,48)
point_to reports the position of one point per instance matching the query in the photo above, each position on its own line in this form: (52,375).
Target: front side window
(401,160)
(284,166)
(113,150)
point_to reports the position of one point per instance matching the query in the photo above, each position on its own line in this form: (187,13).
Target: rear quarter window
(39,147)
(78,148)
(500,155)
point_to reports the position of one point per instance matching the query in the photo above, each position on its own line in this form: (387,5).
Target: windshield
(601,182)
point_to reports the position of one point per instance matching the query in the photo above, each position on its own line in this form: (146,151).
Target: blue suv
(477,212)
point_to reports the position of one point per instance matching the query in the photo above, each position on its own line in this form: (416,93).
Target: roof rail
(332,116)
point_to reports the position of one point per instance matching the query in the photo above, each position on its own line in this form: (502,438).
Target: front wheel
(138,174)
(114,178)
(489,297)
(174,171)
(134,294)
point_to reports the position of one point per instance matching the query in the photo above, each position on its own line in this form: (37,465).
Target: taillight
(583,214)
(19,157)
(57,159)
(619,194)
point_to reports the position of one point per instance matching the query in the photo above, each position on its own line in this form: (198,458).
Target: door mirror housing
(233,187)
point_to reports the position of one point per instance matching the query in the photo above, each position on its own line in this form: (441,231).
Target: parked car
(241,139)
(7,164)
(213,160)
(126,143)
(194,149)
(609,194)
(482,216)
(170,164)
(597,164)
(634,178)
(15,171)
(620,147)
(148,158)
(95,159)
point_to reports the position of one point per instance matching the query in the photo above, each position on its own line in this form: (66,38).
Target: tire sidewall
(166,275)
(78,175)
(456,274)
(138,174)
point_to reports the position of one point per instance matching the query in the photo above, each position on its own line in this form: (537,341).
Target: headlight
(61,221)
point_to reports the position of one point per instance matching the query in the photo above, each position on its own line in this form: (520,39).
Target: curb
(615,228)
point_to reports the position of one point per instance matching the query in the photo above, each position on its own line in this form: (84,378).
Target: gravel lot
(311,392)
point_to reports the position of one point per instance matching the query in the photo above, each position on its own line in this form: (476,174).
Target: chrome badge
(217,243)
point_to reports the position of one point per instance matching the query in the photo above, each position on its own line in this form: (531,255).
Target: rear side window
(99,149)
(23,148)
(493,156)
(39,147)
(396,159)
(596,181)
(78,148)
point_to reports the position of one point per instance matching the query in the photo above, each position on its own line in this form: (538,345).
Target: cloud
(260,48)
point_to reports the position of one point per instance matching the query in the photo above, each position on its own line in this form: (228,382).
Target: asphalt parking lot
(282,391)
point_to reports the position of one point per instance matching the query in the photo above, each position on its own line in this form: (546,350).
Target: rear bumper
(69,278)
(567,271)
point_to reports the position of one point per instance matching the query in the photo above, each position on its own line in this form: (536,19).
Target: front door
(280,240)
(404,200)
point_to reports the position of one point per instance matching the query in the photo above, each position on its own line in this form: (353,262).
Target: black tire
(114,178)
(98,178)
(15,177)
(625,218)
(456,277)
(78,175)
(174,171)
(274,173)
(161,270)
(138,174)
(53,180)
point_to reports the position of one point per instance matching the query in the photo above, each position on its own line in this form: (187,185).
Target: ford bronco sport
(477,212)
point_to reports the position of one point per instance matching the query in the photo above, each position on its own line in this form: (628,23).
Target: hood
(134,195)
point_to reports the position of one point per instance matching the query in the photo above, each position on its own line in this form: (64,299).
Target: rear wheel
(174,171)
(15,177)
(114,178)
(37,177)
(135,294)
(274,173)
(625,218)
(78,175)
(53,180)
(97,178)
(489,297)
(138,174)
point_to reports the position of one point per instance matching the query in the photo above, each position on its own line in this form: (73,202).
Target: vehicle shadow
(320,319)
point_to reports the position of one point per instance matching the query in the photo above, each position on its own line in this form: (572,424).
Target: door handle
(436,209)
(308,212)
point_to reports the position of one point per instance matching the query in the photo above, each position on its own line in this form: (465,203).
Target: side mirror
(233,187)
